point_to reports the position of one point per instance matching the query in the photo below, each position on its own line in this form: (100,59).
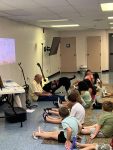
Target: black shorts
(61,137)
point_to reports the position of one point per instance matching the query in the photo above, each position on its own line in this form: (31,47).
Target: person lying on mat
(38,94)
(104,126)
(70,126)
(73,104)
(56,84)
(93,146)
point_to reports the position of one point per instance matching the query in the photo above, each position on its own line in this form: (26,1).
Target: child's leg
(53,120)
(86,146)
(47,135)
(55,112)
(92,126)
(91,147)
(87,129)
(55,109)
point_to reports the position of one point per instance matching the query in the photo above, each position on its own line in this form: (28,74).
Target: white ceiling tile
(85,12)
(20,3)
(5,6)
(51,3)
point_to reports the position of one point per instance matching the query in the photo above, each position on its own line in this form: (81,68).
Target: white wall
(29,41)
(28,50)
(81,46)
(51,65)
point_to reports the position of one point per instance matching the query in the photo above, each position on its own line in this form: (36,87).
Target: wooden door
(68,54)
(94,53)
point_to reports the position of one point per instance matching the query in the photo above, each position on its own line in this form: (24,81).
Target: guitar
(45,80)
(1,83)
(26,87)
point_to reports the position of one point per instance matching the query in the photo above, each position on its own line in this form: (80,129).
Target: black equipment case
(15,114)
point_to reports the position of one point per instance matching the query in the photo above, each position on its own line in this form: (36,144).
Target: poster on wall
(7,51)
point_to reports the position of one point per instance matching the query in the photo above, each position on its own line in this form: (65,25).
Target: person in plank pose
(56,84)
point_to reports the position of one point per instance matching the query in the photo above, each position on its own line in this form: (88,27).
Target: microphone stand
(26,87)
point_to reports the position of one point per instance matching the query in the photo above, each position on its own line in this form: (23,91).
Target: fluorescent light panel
(58,20)
(61,26)
(110,17)
(111,27)
(107,6)
(111,23)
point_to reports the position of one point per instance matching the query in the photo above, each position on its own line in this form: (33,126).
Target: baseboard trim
(105,71)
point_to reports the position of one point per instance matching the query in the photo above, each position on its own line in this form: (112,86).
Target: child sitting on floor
(70,129)
(73,104)
(104,126)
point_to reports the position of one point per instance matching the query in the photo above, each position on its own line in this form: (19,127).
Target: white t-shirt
(78,111)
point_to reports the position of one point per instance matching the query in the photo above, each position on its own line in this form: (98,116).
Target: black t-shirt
(63,81)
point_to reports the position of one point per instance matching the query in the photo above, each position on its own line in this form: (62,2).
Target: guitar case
(15,114)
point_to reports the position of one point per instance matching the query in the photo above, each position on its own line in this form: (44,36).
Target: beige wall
(81,46)
(28,50)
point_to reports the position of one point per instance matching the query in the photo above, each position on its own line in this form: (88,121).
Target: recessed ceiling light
(58,20)
(111,27)
(69,25)
(107,6)
(111,23)
(110,17)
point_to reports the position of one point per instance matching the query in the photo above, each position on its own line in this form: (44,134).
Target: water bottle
(73,143)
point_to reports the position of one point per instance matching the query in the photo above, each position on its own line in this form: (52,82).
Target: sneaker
(44,116)
(66,98)
(47,111)
(59,102)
